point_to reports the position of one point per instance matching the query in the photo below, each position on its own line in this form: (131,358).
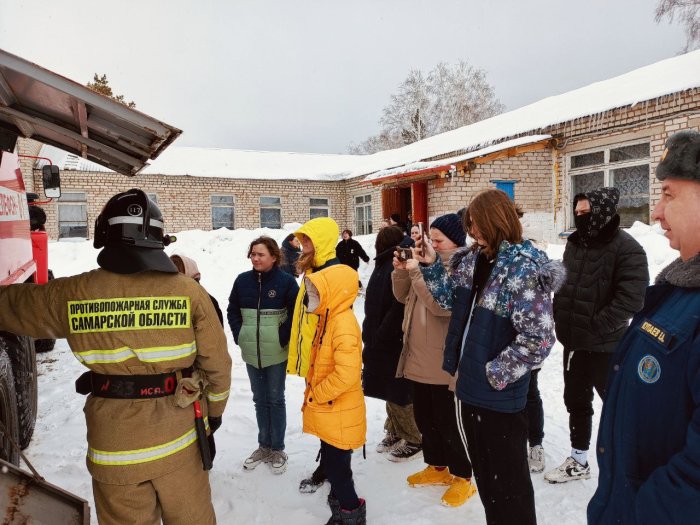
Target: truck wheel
(45,345)
(8,409)
(20,350)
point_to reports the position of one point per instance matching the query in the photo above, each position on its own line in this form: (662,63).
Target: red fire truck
(51,109)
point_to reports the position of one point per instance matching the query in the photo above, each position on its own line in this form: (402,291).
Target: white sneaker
(570,470)
(535,458)
(278,461)
(259,455)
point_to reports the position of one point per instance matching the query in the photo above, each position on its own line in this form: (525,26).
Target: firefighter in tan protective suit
(153,344)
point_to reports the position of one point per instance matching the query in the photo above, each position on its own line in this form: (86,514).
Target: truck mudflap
(25,499)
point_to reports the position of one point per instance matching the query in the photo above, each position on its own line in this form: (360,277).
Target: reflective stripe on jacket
(139,324)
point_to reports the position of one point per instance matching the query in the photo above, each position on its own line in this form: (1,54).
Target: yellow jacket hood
(323,232)
(333,289)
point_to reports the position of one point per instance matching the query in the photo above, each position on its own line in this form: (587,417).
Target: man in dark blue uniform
(649,440)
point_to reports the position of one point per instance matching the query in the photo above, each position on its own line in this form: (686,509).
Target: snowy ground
(58,447)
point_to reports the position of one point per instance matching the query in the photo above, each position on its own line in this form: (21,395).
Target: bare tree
(461,96)
(407,114)
(687,12)
(447,98)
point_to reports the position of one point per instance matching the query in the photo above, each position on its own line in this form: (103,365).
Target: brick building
(608,133)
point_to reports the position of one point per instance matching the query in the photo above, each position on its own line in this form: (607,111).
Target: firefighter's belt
(128,386)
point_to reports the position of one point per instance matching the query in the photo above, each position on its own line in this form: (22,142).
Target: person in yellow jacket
(334,404)
(151,339)
(318,238)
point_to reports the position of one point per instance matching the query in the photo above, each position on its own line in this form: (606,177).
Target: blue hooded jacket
(509,330)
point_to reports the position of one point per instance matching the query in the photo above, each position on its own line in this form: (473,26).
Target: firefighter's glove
(190,389)
(214,423)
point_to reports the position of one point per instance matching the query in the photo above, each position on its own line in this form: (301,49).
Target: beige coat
(424,327)
(140,324)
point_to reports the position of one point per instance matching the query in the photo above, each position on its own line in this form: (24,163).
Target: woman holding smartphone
(425,327)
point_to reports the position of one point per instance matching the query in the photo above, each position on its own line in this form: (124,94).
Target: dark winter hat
(603,203)
(451,226)
(681,158)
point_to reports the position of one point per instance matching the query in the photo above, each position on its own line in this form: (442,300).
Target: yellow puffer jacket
(334,404)
(323,232)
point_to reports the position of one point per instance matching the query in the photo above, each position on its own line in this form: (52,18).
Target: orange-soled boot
(430,476)
(459,492)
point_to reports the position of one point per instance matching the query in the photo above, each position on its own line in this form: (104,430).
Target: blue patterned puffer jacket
(510,329)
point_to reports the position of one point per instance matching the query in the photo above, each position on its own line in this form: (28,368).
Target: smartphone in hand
(404,254)
(421,235)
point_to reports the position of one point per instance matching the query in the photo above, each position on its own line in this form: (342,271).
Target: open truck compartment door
(25,499)
(37,103)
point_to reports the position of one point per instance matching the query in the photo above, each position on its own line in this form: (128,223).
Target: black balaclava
(603,209)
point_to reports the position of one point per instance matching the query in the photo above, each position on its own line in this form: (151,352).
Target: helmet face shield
(130,230)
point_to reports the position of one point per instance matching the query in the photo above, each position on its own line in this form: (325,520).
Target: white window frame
(270,206)
(64,203)
(606,167)
(324,208)
(363,226)
(153,197)
(213,205)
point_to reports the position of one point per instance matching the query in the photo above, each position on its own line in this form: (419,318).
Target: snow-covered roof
(262,165)
(657,80)
(427,165)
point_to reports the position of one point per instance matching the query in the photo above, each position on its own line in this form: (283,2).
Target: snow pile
(58,447)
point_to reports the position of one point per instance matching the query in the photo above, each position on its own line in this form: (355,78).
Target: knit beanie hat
(451,226)
(681,158)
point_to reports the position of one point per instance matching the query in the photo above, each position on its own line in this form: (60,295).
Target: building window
(363,214)
(506,186)
(222,212)
(72,215)
(153,197)
(318,207)
(271,212)
(625,167)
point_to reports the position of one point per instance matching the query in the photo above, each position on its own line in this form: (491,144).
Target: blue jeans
(267,385)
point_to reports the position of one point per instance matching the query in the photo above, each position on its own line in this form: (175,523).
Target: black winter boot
(354,517)
(334,504)
(313,482)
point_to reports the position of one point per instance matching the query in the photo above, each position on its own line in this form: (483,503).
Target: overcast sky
(314,75)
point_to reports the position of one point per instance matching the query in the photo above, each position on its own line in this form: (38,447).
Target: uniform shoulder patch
(649,369)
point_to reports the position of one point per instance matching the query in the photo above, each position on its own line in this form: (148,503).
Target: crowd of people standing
(458,321)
